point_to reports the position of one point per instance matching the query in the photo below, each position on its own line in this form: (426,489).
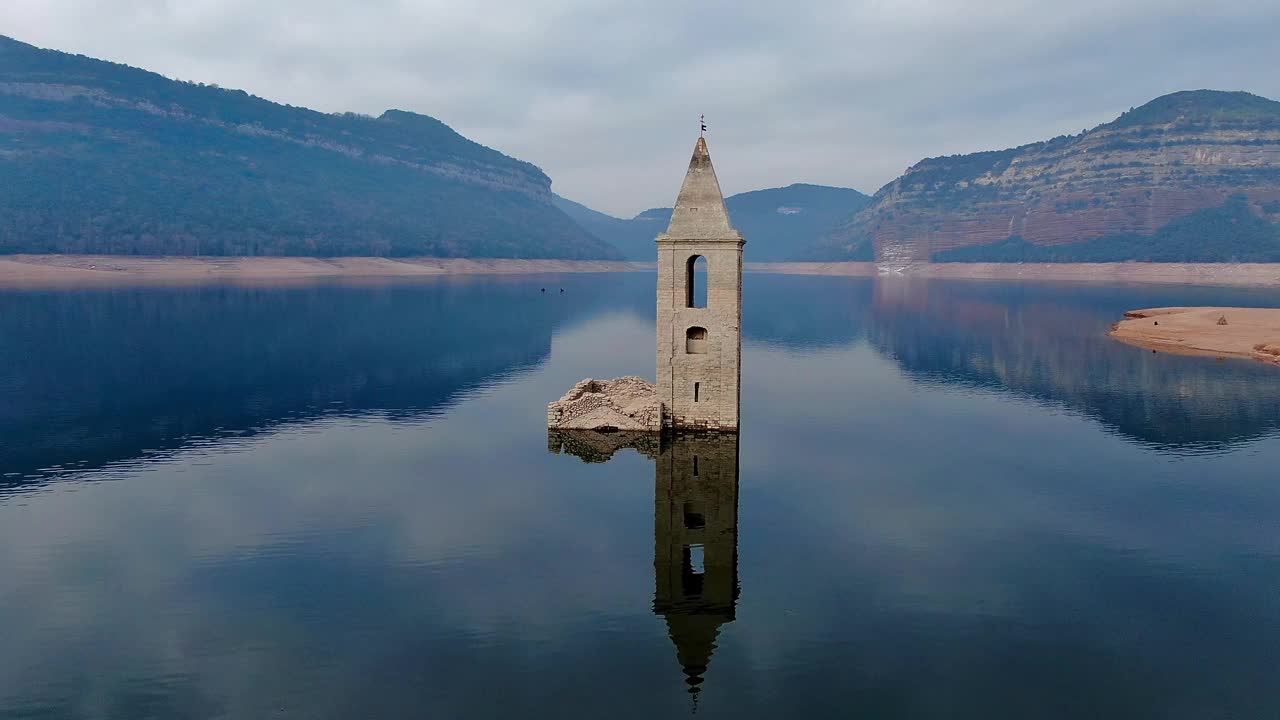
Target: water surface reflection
(1050,342)
(91,378)
(957,500)
(695,528)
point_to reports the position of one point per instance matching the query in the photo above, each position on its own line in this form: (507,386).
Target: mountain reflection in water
(948,500)
(96,377)
(101,376)
(1050,343)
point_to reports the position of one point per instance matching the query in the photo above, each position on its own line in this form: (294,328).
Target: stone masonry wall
(716,372)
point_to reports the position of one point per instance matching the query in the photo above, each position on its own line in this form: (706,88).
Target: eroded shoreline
(106,270)
(1206,331)
(1264,274)
(17,271)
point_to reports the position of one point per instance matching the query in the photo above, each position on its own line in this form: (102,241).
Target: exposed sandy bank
(1135,272)
(1249,332)
(73,270)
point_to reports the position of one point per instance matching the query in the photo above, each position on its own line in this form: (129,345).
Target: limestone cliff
(1208,159)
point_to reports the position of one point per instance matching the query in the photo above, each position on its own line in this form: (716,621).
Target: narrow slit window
(695,282)
(695,466)
(697,387)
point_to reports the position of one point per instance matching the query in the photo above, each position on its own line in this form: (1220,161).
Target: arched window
(695,282)
(695,341)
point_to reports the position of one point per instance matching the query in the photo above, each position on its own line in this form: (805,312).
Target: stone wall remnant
(627,403)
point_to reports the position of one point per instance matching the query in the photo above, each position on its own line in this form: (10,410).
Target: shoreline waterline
(34,271)
(17,271)
(1257,274)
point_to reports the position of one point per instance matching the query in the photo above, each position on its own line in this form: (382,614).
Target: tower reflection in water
(695,528)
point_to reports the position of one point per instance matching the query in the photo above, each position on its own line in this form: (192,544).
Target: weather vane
(702,120)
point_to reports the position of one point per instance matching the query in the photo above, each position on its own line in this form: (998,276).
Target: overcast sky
(604,95)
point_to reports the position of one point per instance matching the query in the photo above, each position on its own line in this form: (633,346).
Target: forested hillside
(98,157)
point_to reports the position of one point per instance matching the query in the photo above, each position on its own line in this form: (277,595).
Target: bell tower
(700,344)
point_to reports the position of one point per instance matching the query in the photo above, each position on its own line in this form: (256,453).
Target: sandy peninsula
(1212,331)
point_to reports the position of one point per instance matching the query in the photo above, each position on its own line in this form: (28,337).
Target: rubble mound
(628,403)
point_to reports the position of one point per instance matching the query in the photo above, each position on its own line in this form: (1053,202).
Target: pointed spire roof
(700,213)
(695,640)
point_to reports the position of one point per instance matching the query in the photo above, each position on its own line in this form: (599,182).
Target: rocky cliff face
(107,158)
(1169,159)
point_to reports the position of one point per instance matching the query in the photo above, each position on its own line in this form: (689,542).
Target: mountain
(1191,176)
(633,237)
(775,222)
(98,157)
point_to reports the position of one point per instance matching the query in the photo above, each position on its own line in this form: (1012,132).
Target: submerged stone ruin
(699,343)
(627,403)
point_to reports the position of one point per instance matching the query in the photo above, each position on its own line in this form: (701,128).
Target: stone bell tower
(700,347)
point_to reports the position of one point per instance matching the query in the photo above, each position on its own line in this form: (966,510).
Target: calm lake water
(948,500)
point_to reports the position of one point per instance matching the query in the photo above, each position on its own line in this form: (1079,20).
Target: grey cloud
(604,95)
